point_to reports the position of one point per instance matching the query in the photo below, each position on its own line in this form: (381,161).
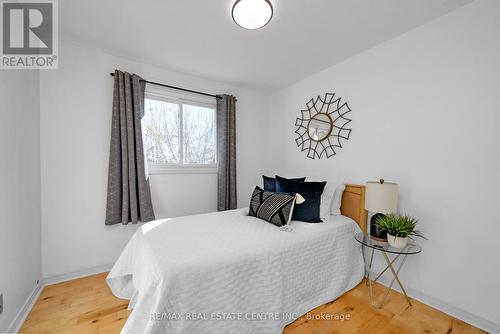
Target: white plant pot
(397,242)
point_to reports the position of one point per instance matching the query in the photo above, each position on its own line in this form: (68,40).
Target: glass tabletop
(411,247)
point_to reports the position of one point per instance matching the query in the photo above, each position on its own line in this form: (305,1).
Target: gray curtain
(226,137)
(129,197)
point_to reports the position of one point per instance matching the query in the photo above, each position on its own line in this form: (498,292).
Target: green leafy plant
(399,225)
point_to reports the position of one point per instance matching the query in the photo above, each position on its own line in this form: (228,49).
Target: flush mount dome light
(252,14)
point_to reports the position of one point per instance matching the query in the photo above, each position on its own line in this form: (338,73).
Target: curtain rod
(178,88)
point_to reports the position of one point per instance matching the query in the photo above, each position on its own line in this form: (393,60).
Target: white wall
(75,106)
(426,115)
(20,259)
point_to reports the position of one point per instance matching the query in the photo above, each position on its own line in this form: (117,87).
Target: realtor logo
(29,34)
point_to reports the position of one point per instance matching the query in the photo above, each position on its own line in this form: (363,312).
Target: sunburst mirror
(323,126)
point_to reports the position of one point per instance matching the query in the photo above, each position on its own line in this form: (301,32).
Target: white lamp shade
(381,197)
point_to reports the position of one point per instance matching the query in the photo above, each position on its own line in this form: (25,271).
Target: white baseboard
(77,274)
(21,316)
(18,321)
(442,306)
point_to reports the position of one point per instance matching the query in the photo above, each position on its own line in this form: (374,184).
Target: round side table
(384,248)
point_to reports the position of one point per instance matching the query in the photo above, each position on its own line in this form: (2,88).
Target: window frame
(176,97)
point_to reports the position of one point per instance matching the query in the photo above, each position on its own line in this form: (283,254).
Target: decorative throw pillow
(331,200)
(337,199)
(275,208)
(327,200)
(311,191)
(270,182)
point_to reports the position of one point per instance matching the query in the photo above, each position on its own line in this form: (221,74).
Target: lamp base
(375,232)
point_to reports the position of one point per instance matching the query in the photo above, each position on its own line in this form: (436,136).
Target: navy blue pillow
(270,182)
(311,191)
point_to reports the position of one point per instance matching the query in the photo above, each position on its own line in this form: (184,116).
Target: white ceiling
(200,38)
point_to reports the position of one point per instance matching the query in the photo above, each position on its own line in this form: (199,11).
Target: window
(179,133)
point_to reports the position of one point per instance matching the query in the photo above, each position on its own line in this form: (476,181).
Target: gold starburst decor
(323,126)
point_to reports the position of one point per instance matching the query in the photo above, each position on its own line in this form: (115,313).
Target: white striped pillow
(276,208)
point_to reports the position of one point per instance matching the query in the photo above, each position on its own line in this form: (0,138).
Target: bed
(227,272)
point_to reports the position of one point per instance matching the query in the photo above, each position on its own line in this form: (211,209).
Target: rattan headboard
(353,204)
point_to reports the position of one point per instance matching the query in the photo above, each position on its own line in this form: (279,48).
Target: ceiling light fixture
(252,14)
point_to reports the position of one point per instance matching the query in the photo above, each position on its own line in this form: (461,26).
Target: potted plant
(399,228)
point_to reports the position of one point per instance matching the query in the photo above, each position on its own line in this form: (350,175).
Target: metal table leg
(364,260)
(387,267)
(395,278)
(369,281)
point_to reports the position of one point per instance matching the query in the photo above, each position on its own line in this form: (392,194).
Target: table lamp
(381,198)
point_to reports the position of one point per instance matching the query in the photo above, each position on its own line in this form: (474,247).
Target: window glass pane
(161,131)
(198,135)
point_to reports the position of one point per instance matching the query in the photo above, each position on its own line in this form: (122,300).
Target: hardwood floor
(86,305)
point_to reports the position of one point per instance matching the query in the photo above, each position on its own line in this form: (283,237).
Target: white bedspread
(227,272)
